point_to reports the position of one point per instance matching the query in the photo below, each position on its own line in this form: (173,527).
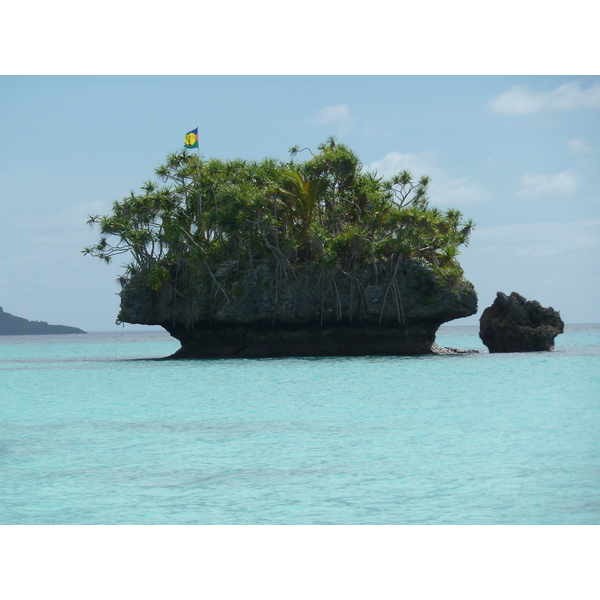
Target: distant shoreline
(12,325)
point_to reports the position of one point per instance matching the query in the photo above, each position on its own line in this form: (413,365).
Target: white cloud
(460,191)
(534,186)
(539,240)
(332,114)
(444,189)
(519,100)
(338,116)
(394,162)
(578,146)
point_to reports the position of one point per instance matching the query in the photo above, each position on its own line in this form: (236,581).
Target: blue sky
(520,155)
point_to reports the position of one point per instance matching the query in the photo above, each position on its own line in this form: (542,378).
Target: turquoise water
(91,435)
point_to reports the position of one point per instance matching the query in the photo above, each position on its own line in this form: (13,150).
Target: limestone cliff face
(315,313)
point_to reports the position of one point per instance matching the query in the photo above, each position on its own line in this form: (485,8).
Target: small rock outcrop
(11,325)
(514,324)
(314,314)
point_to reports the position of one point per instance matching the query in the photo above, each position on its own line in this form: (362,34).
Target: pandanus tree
(325,212)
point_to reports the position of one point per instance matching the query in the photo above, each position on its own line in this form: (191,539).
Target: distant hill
(11,325)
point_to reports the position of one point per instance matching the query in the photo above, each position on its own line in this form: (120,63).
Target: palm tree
(301,197)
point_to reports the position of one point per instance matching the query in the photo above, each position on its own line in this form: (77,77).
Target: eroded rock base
(270,342)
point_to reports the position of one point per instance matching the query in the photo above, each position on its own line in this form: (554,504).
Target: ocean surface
(92,432)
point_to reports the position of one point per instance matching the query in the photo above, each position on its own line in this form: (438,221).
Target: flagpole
(198,180)
(189,143)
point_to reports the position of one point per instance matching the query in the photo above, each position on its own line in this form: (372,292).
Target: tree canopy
(325,211)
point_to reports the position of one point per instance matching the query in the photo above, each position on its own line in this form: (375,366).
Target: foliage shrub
(325,211)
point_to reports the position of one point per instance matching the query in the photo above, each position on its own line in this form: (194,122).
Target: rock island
(301,258)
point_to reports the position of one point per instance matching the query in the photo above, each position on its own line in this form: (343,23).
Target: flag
(191,139)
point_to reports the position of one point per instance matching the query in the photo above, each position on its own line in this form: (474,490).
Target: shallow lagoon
(90,434)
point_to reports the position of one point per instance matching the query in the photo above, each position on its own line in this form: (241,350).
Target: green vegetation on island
(325,212)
